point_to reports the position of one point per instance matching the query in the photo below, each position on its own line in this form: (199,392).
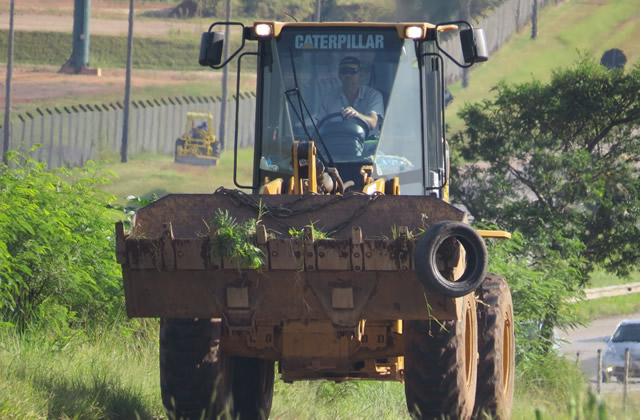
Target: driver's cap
(351,63)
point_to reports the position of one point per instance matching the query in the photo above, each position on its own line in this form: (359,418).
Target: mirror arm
(469,38)
(232,56)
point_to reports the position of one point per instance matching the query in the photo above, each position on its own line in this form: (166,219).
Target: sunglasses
(348,70)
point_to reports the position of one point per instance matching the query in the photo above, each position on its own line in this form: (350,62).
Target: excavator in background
(343,258)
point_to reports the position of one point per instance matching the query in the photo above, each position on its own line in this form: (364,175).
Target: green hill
(565,31)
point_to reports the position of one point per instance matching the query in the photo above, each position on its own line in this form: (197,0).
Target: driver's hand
(349,112)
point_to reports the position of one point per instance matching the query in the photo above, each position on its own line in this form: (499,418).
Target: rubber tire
(496,348)
(425,256)
(252,388)
(440,365)
(198,381)
(176,157)
(192,368)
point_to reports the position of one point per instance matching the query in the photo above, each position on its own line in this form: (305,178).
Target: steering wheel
(348,130)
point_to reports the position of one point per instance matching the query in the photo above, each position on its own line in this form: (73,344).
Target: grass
(114,374)
(52,48)
(609,306)
(111,375)
(601,278)
(146,175)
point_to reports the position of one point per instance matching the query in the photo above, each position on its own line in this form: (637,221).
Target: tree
(558,161)
(562,155)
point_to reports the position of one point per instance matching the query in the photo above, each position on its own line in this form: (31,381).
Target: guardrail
(610,291)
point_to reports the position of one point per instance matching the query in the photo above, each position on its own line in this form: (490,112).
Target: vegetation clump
(236,240)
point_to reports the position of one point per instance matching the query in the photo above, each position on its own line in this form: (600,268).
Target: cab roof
(400,27)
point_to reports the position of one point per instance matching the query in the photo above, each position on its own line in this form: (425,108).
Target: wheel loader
(198,145)
(359,268)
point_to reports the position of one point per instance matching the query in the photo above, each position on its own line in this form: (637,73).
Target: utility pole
(318,7)
(534,20)
(7,100)
(225,78)
(127,89)
(78,63)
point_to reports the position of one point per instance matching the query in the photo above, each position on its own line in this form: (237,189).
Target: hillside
(566,31)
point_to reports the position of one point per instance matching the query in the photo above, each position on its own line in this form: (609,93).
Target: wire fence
(71,135)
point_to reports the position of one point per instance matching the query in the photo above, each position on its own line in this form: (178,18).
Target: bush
(57,259)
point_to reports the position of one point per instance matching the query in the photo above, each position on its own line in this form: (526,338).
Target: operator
(354,99)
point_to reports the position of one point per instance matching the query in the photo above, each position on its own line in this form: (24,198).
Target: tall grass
(112,374)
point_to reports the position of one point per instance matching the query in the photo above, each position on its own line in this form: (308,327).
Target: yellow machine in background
(198,145)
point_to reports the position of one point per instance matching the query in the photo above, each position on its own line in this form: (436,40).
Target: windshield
(627,333)
(309,78)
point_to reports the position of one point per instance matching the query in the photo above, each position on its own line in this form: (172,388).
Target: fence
(71,135)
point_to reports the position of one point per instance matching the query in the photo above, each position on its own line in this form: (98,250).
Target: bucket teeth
(309,254)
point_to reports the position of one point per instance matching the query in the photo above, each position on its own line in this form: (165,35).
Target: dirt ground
(38,83)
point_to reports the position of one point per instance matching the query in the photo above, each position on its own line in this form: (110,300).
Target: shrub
(57,259)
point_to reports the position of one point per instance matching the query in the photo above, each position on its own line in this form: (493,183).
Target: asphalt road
(586,341)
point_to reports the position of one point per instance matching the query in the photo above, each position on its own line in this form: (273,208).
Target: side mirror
(474,45)
(211,45)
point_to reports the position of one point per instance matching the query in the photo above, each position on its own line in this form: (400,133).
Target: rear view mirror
(474,45)
(211,45)
(472,41)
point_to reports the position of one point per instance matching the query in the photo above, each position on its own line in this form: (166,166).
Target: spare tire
(429,249)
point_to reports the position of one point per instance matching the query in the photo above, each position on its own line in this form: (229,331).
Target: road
(587,341)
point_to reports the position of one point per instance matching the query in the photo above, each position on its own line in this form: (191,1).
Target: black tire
(436,239)
(440,369)
(496,348)
(217,148)
(176,156)
(193,372)
(199,382)
(252,388)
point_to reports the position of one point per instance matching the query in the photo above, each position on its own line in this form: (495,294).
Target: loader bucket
(366,270)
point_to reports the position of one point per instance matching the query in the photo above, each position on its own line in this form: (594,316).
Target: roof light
(263,30)
(414,32)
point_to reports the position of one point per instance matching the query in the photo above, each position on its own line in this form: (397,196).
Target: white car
(626,336)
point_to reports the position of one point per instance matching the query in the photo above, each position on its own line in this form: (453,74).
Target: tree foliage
(57,261)
(441,11)
(559,162)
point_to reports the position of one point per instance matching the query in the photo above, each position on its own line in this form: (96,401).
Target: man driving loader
(353,99)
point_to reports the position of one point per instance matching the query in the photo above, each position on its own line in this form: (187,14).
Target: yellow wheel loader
(198,145)
(358,266)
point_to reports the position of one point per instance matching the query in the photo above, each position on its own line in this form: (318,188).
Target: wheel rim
(468,346)
(507,348)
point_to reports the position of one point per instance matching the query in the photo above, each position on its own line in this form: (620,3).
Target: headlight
(414,32)
(263,30)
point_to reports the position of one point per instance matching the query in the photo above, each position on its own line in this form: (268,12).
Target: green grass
(111,375)
(609,306)
(145,175)
(601,278)
(53,48)
(114,374)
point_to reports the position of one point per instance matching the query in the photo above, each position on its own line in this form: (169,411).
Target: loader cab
(297,76)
